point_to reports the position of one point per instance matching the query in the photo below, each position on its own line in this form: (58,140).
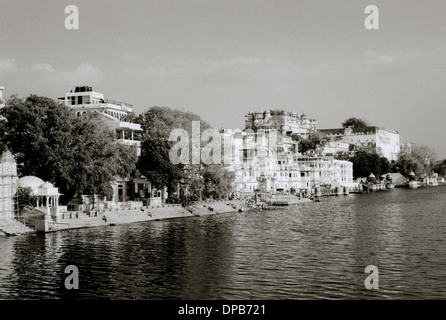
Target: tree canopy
(314,139)
(440,168)
(154,163)
(365,163)
(354,122)
(78,155)
(420,159)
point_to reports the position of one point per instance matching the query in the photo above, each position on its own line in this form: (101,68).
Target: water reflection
(314,250)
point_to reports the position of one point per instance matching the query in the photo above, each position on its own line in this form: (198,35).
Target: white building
(285,122)
(377,139)
(84,100)
(47,195)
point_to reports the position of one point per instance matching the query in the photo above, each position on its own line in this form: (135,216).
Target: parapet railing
(118,103)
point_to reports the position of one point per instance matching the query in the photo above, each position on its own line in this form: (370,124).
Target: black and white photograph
(238,152)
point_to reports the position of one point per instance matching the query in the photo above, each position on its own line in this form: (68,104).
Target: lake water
(309,251)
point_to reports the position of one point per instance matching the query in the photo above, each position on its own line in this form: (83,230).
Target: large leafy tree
(154,163)
(78,155)
(365,163)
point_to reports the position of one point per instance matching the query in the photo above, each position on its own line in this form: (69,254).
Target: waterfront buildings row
(267,161)
(259,162)
(268,164)
(371,138)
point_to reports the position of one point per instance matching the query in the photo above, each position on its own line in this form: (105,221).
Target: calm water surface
(308,251)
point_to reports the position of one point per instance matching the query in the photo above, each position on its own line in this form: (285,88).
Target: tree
(314,139)
(217,182)
(365,163)
(385,165)
(342,156)
(98,156)
(154,163)
(24,198)
(440,168)
(354,122)
(419,159)
(78,155)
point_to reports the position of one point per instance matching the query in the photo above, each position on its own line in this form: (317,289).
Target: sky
(222,59)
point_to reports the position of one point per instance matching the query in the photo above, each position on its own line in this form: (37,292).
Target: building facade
(8,185)
(285,122)
(374,139)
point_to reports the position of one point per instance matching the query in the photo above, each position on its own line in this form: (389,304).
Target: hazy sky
(220,59)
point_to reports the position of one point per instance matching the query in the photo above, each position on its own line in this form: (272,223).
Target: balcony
(126,106)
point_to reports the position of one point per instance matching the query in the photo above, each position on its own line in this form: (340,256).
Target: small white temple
(47,195)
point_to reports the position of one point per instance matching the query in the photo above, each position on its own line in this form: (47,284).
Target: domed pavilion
(47,195)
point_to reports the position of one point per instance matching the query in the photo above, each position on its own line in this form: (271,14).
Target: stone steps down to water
(83,220)
(115,217)
(76,220)
(13,227)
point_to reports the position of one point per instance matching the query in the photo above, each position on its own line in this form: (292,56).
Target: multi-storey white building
(290,173)
(84,100)
(377,139)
